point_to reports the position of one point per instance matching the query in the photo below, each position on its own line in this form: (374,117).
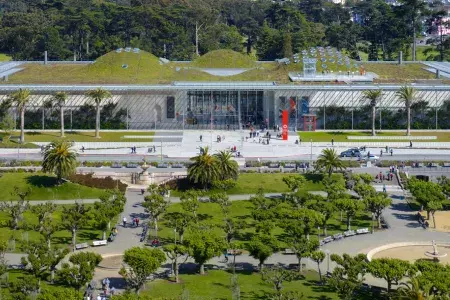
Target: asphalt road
(138,158)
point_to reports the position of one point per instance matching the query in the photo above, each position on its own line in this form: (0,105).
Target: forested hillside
(182,29)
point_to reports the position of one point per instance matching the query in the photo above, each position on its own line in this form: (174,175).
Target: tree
(204,245)
(413,289)
(48,228)
(204,168)
(326,209)
(413,10)
(20,99)
(75,216)
(376,204)
(227,167)
(59,159)
(261,248)
(22,288)
(302,247)
(59,99)
(110,205)
(318,257)
(294,182)
(350,206)
(179,221)
(43,212)
(174,252)
(142,263)
(425,193)
(390,269)
(223,200)
(7,126)
(374,96)
(190,203)
(15,210)
(329,160)
(348,276)
(364,190)
(155,205)
(407,95)
(98,95)
(80,270)
(432,207)
(276,276)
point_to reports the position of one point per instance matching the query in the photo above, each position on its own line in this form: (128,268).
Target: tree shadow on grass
(87,235)
(42,181)
(315,178)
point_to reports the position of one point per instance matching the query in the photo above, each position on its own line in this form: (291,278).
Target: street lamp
(318,232)
(327,252)
(373,218)
(175,235)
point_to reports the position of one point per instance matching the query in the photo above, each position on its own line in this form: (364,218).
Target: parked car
(353,152)
(372,157)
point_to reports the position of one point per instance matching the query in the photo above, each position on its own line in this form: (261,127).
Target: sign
(284,124)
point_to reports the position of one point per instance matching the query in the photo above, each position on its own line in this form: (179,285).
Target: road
(150,158)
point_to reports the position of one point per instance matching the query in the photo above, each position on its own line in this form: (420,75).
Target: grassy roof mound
(125,63)
(224,59)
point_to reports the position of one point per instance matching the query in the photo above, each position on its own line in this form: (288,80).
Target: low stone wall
(374,251)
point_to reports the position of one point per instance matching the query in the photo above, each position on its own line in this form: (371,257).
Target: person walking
(137,222)
(201,138)
(124,220)
(384,188)
(387,149)
(332,142)
(410,144)
(392,151)
(381,152)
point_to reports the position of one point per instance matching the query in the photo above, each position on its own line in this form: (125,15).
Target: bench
(328,239)
(163,166)
(177,166)
(289,166)
(434,165)
(420,165)
(132,166)
(338,236)
(81,246)
(116,166)
(99,243)
(273,166)
(446,165)
(233,252)
(288,251)
(362,231)
(349,233)
(295,266)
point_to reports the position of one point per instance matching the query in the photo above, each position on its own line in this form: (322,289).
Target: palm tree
(413,290)
(59,99)
(20,99)
(98,95)
(374,96)
(228,168)
(329,160)
(407,95)
(204,169)
(59,159)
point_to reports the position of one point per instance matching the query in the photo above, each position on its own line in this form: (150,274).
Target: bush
(106,183)
(224,184)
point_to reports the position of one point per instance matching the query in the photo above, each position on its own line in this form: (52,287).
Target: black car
(351,153)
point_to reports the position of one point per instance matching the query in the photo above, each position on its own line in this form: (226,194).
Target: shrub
(100,183)
(224,184)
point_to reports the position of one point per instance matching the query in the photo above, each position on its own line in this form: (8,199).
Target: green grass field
(43,187)
(5,57)
(341,136)
(216,285)
(249,183)
(132,68)
(85,136)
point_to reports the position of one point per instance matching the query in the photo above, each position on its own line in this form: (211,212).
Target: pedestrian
(410,144)
(154,148)
(391,175)
(300,141)
(332,142)
(82,149)
(137,222)
(384,188)
(387,149)
(381,152)
(112,291)
(132,149)
(124,221)
(226,256)
(392,151)
(142,191)
(134,222)
(201,138)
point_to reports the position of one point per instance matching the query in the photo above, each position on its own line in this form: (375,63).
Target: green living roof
(145,68)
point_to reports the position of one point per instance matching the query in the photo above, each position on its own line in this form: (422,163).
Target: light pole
(318,232)
(311,150)
(373,218)
(327,252)
(175,235)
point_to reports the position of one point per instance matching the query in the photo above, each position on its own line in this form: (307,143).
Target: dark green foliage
(100,183)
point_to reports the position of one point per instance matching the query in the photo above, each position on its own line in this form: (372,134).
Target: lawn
(341,136)
(86,136)
(132,68)
(249,183)
(4,57)
(216,285)
(44,187)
